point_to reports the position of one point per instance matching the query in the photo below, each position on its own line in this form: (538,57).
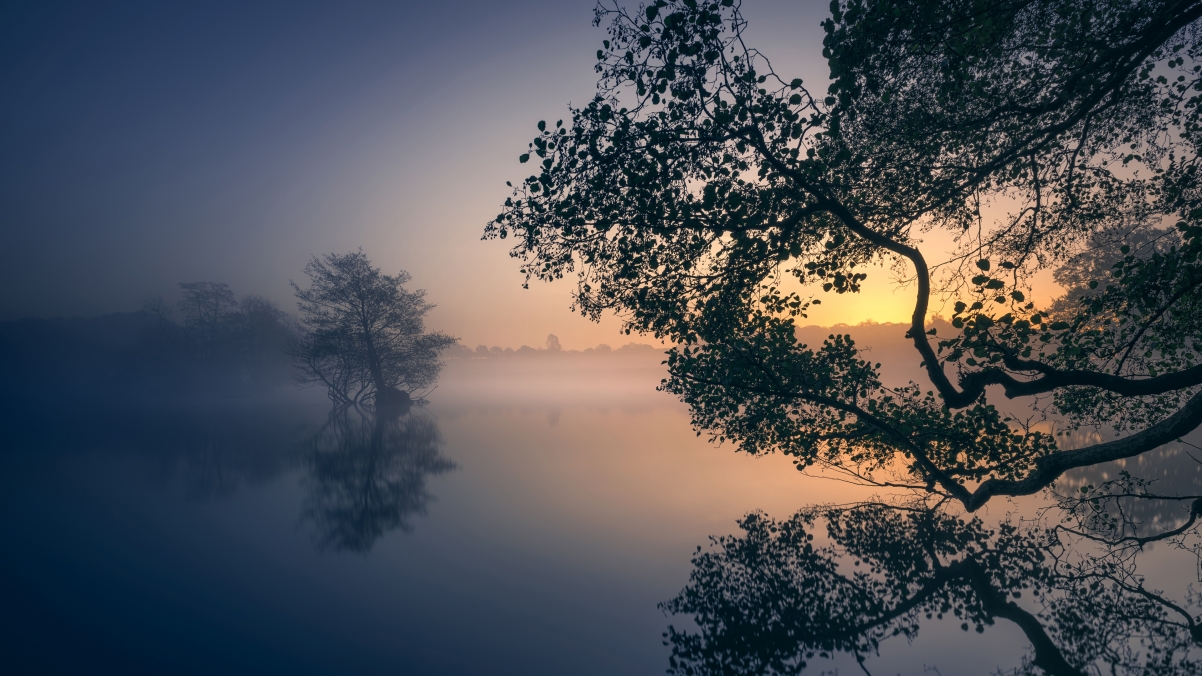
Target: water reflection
(211,448)
(1171,470)
(215,453)
(362,476)
(846,579)
(367,476)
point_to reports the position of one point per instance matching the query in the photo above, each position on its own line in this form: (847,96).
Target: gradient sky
(145,144)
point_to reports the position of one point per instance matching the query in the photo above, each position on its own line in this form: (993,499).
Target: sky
(147,144)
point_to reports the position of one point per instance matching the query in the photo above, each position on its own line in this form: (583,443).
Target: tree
(711,201)
(846,579)
(261,334)
(364,333)
(222,338)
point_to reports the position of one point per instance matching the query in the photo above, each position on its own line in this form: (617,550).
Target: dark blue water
(525,522)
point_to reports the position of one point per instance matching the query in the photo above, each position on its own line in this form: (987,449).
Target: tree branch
(1049,468)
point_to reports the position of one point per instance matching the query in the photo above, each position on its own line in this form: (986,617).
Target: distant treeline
(360,334)
(209,342)
(552,349)
(246,341)
(209,339)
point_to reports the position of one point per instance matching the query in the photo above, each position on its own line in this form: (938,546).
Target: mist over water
(529,519)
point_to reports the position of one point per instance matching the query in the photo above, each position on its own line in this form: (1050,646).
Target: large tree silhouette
(711,200)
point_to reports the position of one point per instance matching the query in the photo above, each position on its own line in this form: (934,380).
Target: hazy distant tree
(553,343)
(247,341)
(708,199)
(262,334)
(166,331)
(206,307)
(364,333)
(1106,250)
(159,308)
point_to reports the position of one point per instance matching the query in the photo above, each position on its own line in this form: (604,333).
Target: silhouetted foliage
(367,476)
(846,579)
(364,333)
(706,198)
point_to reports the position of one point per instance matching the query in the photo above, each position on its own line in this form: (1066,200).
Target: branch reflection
(844,579)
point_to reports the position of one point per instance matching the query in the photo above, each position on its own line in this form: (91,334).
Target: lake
(528,520)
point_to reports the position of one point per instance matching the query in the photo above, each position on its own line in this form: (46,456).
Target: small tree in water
(365,338)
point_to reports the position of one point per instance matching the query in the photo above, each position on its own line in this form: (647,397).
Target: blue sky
(145,144)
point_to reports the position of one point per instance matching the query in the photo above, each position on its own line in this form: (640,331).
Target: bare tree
(206,306)
(364,333)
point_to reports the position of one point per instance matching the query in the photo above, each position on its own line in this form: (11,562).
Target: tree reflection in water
(1170,471)
(367,476)
(843,579)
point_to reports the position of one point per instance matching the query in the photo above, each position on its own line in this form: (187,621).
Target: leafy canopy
(710,200)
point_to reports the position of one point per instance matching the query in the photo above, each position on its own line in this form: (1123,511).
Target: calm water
(528,521)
